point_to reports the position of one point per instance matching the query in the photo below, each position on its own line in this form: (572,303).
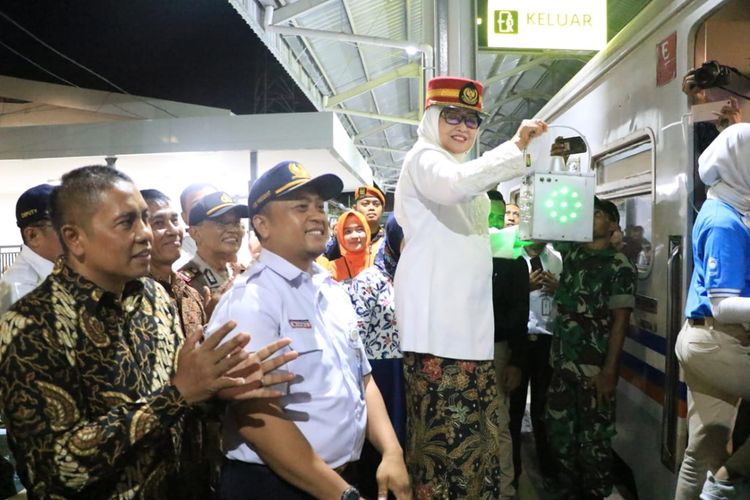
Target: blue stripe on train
(651,374)
(649,339)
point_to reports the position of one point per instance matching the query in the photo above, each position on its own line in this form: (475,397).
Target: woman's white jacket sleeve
(439,178)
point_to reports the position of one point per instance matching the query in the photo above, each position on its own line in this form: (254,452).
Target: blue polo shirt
(721,258)
(275,299)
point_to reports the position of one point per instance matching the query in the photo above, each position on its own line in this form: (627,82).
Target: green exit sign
(506,22)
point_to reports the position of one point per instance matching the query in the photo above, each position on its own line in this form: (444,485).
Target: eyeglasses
(223,225)
(453,117)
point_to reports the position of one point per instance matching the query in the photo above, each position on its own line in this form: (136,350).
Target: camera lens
(711,74)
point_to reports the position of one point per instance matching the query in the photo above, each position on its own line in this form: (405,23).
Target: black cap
(608,208)
(33,205)
(214,205)
(287,177)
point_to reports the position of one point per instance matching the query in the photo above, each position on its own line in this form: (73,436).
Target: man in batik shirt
(201,454)
(94,386)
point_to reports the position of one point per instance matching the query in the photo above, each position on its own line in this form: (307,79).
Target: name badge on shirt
(300,323)
(546,306)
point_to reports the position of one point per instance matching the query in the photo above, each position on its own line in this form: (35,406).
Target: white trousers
(507,471)
(716,364)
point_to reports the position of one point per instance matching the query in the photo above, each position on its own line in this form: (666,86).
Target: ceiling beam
(503,75)
(406,71)
(289,12)
(375,116)
(524,94)
(380,128)
(381,148)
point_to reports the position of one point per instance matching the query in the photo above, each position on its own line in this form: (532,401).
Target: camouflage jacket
(592,283)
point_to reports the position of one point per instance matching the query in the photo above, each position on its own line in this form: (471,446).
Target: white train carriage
(629,105)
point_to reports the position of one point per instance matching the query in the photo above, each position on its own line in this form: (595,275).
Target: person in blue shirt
(713,346)
(304,443)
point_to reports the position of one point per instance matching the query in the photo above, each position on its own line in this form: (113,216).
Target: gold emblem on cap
(469,95)
(298,171)
(225,198)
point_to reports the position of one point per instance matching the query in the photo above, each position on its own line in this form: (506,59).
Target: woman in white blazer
(444,296)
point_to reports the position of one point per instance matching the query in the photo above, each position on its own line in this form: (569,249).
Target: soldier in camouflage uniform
(594,301)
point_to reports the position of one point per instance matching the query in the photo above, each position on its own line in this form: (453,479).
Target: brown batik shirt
(201,452)
(85,389)
(187,301)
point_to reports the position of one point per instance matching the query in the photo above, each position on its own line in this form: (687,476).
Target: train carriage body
(641,135)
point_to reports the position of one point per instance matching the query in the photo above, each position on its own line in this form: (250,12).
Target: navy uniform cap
(287,177)
(33,205)
(214,205)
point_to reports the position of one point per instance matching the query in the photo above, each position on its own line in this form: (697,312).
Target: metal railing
(8,255)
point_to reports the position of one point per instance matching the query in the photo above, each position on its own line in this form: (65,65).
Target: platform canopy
(366,60)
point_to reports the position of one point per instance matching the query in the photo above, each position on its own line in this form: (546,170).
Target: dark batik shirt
(85,389)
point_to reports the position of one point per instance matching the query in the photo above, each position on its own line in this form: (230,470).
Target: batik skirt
(452,412)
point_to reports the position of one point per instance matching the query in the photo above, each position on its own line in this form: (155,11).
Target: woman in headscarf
(372,296)
(714,345)
(444,294)
(353,234)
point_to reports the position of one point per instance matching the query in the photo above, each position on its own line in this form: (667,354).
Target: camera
(711,74)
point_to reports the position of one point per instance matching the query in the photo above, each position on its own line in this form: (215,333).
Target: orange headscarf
(351,263)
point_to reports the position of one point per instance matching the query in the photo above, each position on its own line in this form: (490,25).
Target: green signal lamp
(557,196)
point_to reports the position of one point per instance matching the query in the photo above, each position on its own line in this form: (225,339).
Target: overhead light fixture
(411,50)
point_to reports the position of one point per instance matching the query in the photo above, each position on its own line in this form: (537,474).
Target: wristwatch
(351,493)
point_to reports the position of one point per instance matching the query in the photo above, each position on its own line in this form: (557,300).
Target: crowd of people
(273,359)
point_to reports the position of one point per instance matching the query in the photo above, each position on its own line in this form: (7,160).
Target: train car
(628,103)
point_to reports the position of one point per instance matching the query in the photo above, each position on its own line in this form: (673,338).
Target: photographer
(695,84)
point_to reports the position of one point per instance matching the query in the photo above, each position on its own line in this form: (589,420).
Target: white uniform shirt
(443,282)
(27,272)
(275,299)
(542,307)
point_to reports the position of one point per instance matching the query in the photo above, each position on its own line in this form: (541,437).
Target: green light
(562,205)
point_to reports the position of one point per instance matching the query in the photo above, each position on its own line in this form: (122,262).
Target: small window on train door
(721,48)
(625,176)
(514,196)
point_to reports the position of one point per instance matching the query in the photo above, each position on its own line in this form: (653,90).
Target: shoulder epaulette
(189,271)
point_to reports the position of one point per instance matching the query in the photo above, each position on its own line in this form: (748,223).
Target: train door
(721,57)
(625,175)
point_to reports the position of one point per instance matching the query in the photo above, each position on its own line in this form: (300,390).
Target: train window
(514,196)
(624,176)
(635,220)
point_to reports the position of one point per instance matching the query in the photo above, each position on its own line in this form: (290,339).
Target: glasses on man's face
(453,117)
(226,224)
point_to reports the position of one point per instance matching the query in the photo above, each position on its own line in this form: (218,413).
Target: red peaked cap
(453,91)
